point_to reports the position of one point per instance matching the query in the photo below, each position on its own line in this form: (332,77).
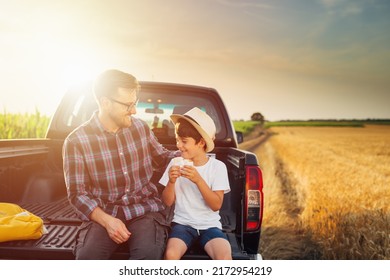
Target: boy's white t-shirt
(190,207)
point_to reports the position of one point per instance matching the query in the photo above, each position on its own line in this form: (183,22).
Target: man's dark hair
(108,82)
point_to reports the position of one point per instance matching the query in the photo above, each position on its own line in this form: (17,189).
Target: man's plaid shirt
(113,170)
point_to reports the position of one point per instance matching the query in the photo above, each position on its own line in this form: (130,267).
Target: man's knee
(93,243)
(94,252)
(148,239)
(147,252)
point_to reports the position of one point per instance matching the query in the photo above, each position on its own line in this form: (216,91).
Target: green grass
(316,123)
(245,126)
(27,125)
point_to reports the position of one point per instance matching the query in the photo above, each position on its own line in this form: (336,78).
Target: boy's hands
(190,172)
(174,173)
(187,171)
(214,199)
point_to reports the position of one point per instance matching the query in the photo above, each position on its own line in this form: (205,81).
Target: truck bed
(62,224)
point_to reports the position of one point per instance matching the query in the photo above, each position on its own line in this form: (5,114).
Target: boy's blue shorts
(189,234)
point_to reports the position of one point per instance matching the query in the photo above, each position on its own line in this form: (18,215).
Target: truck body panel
(31,172)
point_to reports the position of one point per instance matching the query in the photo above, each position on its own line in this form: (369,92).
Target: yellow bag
(19,224)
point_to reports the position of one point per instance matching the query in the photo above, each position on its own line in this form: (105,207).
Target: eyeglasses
(130,106)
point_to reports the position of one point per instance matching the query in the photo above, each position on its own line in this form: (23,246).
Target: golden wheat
(338,179)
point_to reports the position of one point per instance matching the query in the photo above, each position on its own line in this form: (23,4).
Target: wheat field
(327,193)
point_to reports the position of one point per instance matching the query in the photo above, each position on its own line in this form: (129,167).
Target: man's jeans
(147,240)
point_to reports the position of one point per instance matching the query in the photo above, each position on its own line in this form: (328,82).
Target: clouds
(266,50)
(344,7)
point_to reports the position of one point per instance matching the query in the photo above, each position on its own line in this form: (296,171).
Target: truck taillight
(253,198)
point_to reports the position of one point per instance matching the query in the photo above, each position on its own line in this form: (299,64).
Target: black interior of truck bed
(62,223)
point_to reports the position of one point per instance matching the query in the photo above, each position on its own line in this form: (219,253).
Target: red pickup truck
(31,171)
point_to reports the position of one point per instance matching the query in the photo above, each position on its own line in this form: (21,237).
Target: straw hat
(202,123)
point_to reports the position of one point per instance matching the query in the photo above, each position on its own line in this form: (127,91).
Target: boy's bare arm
(168,194)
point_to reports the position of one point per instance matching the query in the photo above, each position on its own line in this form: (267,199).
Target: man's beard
(122,121)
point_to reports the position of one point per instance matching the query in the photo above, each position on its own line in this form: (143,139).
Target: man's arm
(161,155)
(76,180)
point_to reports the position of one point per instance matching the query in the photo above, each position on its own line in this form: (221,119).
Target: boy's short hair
(184,129)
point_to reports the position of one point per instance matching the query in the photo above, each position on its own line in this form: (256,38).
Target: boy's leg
(176,248)
(216,245)
(218,249)
(180,239)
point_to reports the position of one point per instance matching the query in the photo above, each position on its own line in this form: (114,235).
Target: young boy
(196,184)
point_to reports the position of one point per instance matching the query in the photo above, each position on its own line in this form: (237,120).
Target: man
(108,166)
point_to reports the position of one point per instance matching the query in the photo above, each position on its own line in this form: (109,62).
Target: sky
(287,59)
